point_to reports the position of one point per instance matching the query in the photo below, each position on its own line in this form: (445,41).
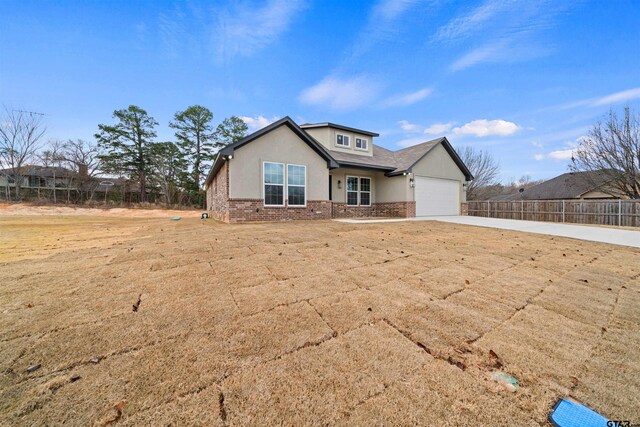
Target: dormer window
(361,144)
(342,140)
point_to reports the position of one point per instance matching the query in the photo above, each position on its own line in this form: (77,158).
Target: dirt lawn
(309,323)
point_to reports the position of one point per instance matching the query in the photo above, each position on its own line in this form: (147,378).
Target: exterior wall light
(339,184)
(412,184)
(229,157)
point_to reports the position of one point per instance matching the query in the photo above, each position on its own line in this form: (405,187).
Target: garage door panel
(436,196)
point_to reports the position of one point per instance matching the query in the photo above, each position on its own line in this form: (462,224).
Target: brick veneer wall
(222,208)
(464,209)
(393,210)
(218,194)
(243,210)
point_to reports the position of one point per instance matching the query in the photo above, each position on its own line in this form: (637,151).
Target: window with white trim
(358,191)
(361,144)
(284,190)
(296,185)
(273,180)
(342,140)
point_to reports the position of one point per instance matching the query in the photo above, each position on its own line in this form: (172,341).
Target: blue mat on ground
(569,413)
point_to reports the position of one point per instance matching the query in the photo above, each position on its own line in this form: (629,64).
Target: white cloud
(464,25)
(341,94)
(561,154)
(539,156)
(258,122)
(439,128)
(613,98)
(243,30)
(409,127)
(389,10)
(381,25)
(485,53)
(501,31)
(537,144)
(408,98)
(482,128)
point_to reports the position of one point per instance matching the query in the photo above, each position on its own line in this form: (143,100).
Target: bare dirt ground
(309,323)
(26,209)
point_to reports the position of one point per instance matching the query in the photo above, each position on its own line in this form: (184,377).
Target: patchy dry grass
(309,323)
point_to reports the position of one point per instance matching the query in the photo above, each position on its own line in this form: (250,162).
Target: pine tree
(194,135)
(126,145)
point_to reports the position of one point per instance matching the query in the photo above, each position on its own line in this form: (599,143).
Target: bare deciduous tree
(82,157)
(613,149)
(484,169)
(20,135)
(52,157)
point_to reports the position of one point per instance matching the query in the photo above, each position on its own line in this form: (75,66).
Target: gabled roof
(398,162)
(285,121)
(571,185)
(391,162)
(335,126)
(382,159)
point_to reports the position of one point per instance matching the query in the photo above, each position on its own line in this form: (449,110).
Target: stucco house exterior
(321,171)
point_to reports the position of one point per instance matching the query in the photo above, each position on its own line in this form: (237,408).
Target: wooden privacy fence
(605,212)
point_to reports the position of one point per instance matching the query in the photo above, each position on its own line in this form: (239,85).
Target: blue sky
(521,79)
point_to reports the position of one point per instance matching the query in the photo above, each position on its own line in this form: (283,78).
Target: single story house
(569,186)
(33,176)
(320,171)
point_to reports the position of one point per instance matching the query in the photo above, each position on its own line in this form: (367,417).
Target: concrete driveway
(583,232)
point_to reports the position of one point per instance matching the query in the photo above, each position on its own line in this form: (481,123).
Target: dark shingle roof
(409,156)
(335,126)
(227,151)
(398,162)
(382,158)
(571,185)
(391,162)
(42,171)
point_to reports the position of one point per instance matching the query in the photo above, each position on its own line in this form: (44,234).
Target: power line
(30,112)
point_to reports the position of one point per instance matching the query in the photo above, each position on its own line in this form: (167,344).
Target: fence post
(488,209)
(563,211)
(521,210)
(619,212)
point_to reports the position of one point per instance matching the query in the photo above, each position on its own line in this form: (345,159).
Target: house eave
(340,127)
(365,166)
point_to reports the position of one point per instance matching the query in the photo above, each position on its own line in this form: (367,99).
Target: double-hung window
(280,180)
(296,185)
(273,184)
(361,144)
(342,140)
(358,191)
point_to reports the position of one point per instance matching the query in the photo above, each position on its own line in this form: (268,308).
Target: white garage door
(436,196)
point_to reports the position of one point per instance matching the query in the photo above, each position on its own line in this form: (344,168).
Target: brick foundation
(222,208)
(245,210)
(376,210)
(464,209)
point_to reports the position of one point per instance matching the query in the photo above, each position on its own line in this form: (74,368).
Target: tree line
(125,152)
(127,156)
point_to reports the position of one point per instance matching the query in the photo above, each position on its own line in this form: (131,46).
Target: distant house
(571,185)
(320,171)
(38,177)
(40,181)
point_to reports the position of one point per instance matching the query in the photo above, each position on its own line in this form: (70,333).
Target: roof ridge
(439,139)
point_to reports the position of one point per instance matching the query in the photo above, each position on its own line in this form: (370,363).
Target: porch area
(359,192)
